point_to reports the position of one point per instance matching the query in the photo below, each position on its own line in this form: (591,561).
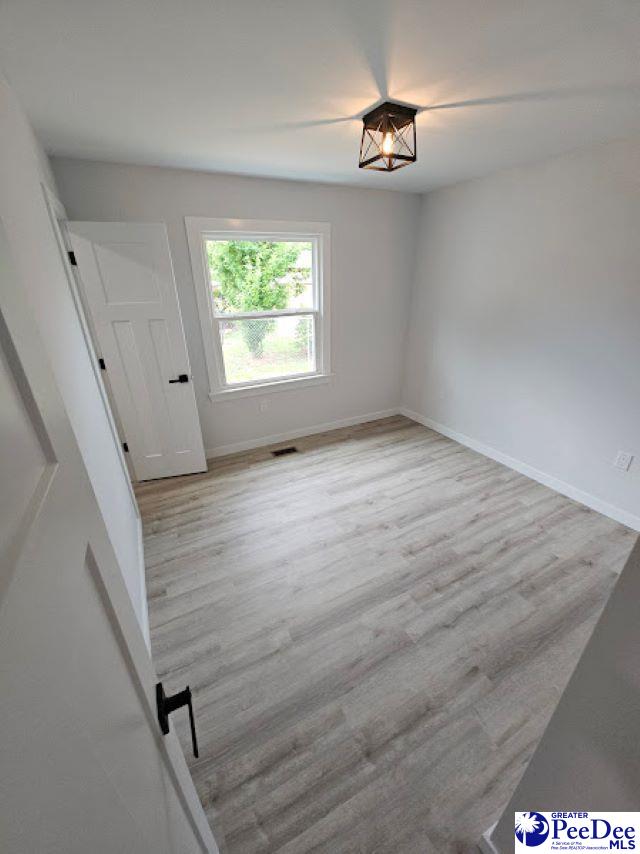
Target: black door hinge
(125,447)
(103,367)
(72,258)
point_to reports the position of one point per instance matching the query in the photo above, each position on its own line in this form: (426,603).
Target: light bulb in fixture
(387,143)
(388,139)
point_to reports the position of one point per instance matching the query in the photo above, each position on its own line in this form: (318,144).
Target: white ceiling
(275,87)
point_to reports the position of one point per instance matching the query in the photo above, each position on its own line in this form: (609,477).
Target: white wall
(525,319)
(372,246)
(23,167)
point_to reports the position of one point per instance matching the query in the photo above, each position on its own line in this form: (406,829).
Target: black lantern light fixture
(388,137)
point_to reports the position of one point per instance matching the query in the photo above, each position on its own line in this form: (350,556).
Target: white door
(126,277)
(85,767)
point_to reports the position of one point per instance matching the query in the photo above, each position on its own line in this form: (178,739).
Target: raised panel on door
(126,275)
(23,470)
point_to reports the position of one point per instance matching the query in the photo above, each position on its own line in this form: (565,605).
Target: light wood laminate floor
(376,630)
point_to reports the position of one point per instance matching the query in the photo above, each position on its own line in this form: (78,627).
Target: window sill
(271,387)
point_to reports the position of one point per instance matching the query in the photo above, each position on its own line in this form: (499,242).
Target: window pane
(267,347)
(260,275)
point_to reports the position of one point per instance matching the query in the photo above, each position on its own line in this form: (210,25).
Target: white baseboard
(144,617)
(237,447)
(619,515)
(485,845)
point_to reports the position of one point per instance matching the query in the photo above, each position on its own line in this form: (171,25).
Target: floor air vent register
(280,452)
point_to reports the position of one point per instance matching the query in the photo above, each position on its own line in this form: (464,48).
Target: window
(263,297)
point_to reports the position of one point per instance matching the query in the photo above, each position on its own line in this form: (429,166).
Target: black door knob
(182,378)
(167,705)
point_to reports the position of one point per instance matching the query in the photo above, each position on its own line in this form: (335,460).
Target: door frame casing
(58,218)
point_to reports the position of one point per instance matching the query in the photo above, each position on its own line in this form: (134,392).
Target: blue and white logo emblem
(531,828)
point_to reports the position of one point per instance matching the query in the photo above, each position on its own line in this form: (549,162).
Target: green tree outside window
(249,275)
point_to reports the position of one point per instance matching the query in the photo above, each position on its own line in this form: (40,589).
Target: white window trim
(224,229)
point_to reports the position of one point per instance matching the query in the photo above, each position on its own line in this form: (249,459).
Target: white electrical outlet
(264,405)
(623,460)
